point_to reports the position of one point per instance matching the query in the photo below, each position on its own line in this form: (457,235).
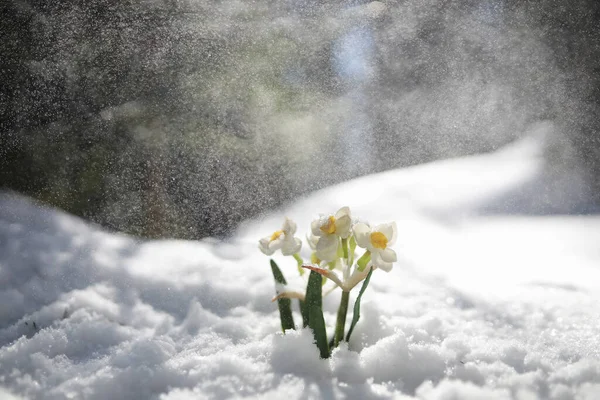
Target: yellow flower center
(378,240)
(276,235)
(329,226)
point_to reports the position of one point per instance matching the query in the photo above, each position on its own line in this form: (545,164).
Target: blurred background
(181,118)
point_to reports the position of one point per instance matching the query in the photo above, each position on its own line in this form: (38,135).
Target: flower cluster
(333,239)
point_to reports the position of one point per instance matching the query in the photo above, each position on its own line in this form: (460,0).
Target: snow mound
(480,305)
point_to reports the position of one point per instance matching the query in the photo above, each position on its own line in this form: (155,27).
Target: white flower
(312,241)
(339,224)
(282,239)
(328,229)
(377,241)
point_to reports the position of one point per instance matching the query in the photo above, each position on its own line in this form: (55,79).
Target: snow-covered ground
(496,295)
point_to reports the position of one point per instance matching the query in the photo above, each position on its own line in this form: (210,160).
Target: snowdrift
(495,296)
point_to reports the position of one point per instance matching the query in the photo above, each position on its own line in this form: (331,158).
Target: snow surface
(495,295)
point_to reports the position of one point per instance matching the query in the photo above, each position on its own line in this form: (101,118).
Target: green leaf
(285,314)
(317,324)
(313,290)
(303,312)
(277,274)
(356,315)
(285,305)
(314,304)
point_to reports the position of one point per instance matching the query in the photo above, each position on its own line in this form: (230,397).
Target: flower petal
(362,232)
(263,245)
(392,240)
(387,267)
(276,244)
(386,229)
(343,226)
(379,263)
(342,212)
(289,227)
(388,255)
(315,227)
(312,241)
(291,246)
(389,230)
(327,247)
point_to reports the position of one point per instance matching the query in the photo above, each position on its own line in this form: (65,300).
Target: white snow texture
(486,301)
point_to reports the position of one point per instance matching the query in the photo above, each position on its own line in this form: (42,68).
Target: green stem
(345,248)
(300,261)
(351,251)
(341,319)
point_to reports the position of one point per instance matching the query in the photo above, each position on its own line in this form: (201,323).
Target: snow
(495,296)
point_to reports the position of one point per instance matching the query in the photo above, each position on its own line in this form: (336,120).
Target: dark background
(180,119)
